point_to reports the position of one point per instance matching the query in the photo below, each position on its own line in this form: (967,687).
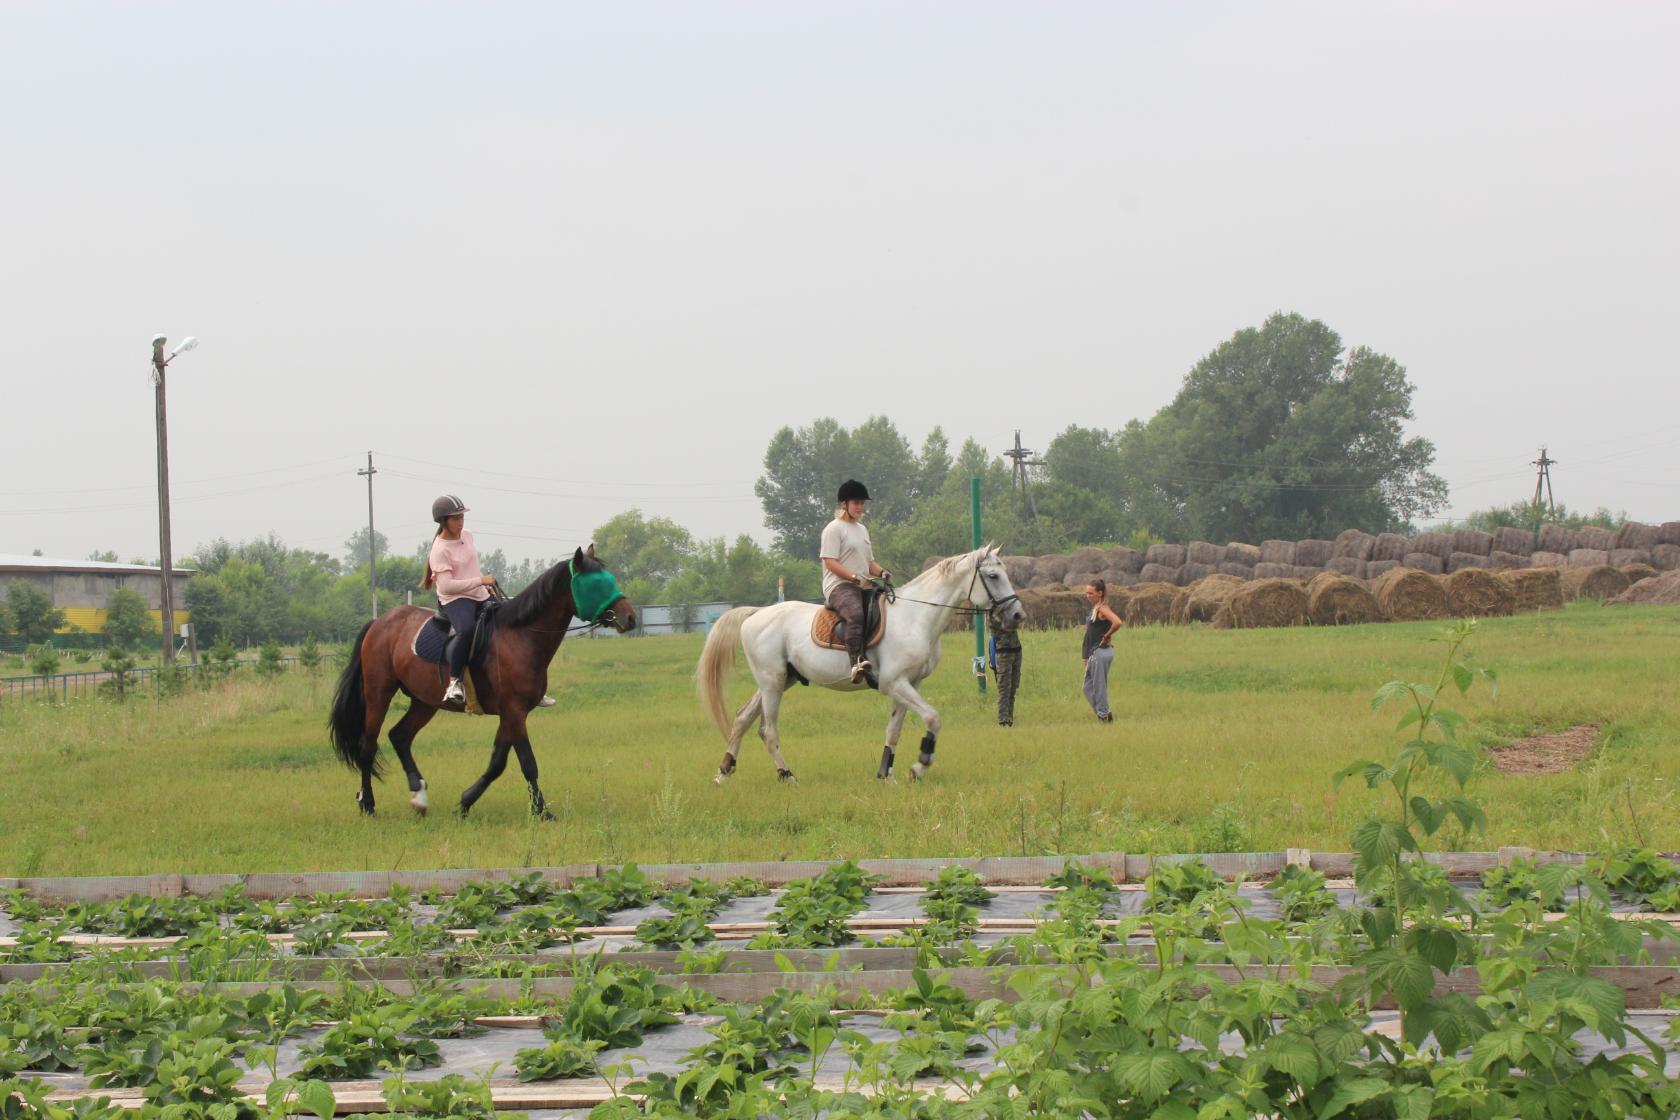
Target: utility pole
(1018,484)
(1543,479)
(373,554)
(979,617)
(166,562)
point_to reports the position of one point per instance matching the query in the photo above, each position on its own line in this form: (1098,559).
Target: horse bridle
(995,601)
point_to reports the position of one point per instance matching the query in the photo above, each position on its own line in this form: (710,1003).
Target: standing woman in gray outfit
(1098,654)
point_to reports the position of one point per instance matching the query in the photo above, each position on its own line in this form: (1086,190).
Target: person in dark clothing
(1100,626)
(1006,663)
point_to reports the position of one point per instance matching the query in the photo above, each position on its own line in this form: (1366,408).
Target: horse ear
(592,550)
(577,557)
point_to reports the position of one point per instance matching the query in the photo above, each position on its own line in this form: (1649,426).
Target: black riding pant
(463,616)
(847,601)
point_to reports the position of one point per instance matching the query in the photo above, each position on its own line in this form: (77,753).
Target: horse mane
(529,604)
(947,568)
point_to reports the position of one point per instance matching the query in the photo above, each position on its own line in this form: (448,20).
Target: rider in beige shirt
(848,561)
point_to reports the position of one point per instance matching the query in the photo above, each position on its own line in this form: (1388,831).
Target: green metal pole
(979,619)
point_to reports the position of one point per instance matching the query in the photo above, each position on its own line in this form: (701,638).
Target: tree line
(1280,432)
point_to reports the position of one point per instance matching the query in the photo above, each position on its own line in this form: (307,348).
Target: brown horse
(512,677)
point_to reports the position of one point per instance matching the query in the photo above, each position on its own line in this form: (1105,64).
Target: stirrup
(455,693)
(860,669)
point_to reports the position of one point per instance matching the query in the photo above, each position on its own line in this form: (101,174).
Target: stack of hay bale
(1518,570)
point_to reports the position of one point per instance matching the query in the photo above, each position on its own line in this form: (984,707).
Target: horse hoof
(365,806)
(420,801)
(545,816)
(917,770)
(721,777)
(786,776)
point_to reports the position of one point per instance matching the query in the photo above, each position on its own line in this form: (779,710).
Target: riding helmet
(852,490)
(446,507)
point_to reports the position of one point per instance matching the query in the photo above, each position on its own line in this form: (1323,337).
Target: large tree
(804,468)
(646,553)
(1280,433)
(127,623)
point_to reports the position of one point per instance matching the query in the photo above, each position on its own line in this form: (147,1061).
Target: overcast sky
(565,259)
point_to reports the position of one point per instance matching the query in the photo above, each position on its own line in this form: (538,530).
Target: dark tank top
(1095,628)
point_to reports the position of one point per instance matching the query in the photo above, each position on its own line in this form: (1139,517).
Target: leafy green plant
(451,1097)
(1075,874)
(376,1040)
(1301,893)
(958,884)
(561,1058)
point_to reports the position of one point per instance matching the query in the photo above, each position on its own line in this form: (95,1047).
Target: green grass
(1222,741)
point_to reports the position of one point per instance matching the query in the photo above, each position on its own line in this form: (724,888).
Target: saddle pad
(824,621)
(430,640)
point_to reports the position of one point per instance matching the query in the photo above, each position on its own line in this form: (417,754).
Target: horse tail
(348,720)
(716,660)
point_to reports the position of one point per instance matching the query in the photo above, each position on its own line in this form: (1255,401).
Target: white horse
(777,640)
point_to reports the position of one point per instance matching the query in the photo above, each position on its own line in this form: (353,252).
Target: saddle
(434,637)
(828,630)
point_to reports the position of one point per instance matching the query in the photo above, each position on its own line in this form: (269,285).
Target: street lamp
(166,563)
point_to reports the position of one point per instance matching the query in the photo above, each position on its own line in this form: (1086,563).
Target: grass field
(1222,741)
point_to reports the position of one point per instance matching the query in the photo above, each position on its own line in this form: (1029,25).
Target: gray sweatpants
(1096,678)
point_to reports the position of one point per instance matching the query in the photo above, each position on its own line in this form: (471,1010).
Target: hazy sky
(565,259)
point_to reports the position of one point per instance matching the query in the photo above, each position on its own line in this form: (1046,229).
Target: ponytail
(427,580)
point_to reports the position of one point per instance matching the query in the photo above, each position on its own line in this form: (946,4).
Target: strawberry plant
(451,1097)
(560,1059)
(958,884)
(377,1040)
(1301,893)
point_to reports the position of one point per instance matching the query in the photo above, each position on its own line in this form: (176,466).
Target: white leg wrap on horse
(419,800)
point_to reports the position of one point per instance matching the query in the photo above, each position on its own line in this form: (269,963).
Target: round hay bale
(1350,566)
(1312,553)
(1117,598)
(1375,568)
(1665,557)
(1549,559)
(1302,572)
(1051,568)
(1194,571)
(1051,608)
(1246,554)
(1622,557)
(1075,580)
(1151,604)
(1157,573)
(1473,541)
(1425,562)
(1123,559)
(1432,544)
(1277,552)
(1087,560)
(1668,532)
(1636,572)
(1389,546)
(1664,588)
(1408,595)
(1595,536)
(1122,579)
(1476,593)
(1267,602)
(1589,557)
(1459,561)
(1203,599)
(1201,552)
(1557,538)
(1510,560)
(1355,543)
(1509,538)
(1596,581)
(1268,570)
(1240,571)
(1166,555)
(1636,534)
(1336,600)
(1021,570)
(1535,589)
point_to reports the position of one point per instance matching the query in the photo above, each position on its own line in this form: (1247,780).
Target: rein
(892,596)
